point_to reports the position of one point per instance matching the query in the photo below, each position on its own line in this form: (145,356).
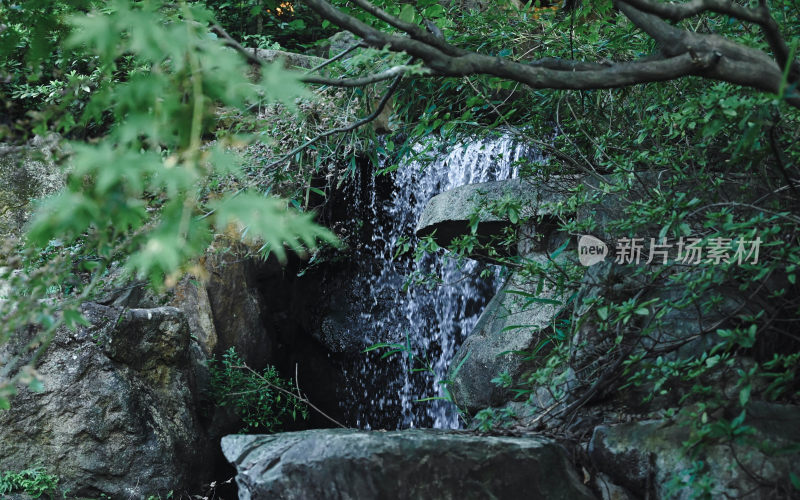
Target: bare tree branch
(336,57)
(358,82)
(679,11)
(413,30)
(569,65)
(232,43)
(760,16)
(298,396)
(685,54)
(339,130)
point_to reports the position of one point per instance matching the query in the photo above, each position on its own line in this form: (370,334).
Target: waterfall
(385,393)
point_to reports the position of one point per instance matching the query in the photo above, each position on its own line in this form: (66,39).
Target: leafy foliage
(724,162)
(148,84)
(34,482)
(264,401)
(135,196)
(290,24)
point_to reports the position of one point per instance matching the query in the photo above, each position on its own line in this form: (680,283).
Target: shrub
(262,400)
(35,482)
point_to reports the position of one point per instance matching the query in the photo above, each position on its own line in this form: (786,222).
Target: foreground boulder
(346,463)
(117,415)
(650,460)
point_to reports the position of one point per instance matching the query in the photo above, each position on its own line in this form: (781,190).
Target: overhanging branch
(413,30)
(759,16)
(688,54)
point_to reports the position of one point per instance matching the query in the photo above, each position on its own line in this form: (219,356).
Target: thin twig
(299,396)
(347,128)
(336,57)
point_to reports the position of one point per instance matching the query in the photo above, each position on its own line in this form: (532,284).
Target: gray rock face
(448,214)
(26,172)
(117,414)
(518,319)
(340,42)
(648,459)
(290,59)
(237,309)
(413,464)
(511,325)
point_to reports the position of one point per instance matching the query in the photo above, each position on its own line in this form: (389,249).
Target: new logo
(591,250)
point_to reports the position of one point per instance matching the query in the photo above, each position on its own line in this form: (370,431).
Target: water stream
(385,393)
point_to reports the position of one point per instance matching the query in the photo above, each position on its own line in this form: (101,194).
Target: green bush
(263,400)
(35,482)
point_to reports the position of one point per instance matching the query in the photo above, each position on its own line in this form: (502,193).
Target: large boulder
(237,306)
(345,463)
(448,215)
(649,457)
(518,320)
(272,316)
(118,413)
(514,326)
(290,59)
(341,41)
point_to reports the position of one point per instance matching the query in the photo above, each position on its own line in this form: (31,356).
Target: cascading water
(385,393)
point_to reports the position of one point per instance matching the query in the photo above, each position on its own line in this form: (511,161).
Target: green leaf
(744,395)
(533,298)
(739,420)
(73,318)
(266,220)
(36,385)
(560,249)
(434,11)
(408,13)
(460,364)
(792,477)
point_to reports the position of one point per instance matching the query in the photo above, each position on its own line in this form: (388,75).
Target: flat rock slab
(412,464)
(448,214)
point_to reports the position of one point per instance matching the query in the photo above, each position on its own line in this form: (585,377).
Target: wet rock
(448,214)
(648,457)
(515,324)
(237,307)
(118,413)
(337,310)
(345,463)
